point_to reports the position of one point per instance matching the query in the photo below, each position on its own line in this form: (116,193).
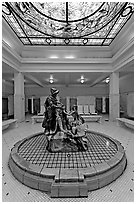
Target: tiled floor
(34,151)
(121,190)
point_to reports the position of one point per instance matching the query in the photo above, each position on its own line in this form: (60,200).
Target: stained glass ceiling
(67,23)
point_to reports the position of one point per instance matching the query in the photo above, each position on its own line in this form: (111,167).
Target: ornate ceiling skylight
(67,23)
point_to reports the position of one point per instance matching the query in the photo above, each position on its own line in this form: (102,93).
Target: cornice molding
(124,49)
(19,63)
(9,36)
(66,61)
(11,51)
(22,62)
(10,57)
(63,52)
(99,67)
(126,33)
(123,62)
(10,63)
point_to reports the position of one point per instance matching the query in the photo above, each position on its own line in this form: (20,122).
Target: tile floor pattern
(100,149)
(121,190)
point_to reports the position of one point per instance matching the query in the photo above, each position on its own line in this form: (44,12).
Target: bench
(124,121)
(37,119)
(92,118)
(40,114)
(9,123)
(89,118)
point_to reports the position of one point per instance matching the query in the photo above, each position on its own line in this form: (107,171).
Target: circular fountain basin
(67,174)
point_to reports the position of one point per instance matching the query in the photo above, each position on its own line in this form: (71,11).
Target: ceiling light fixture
(51,79)
(82,79)
(53,57)
(107,80)
(69,57)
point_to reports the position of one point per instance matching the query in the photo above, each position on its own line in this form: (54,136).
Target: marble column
(19,99)
(68,103)
(114,104)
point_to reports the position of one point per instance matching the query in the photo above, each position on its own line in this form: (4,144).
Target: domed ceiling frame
(67,23)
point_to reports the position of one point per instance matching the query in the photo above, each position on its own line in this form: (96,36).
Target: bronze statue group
(62,135)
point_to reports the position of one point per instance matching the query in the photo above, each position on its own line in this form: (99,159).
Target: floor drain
(68,155)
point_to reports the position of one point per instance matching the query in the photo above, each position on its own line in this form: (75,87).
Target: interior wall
(126,83)
(86,100)
(86,104)
(7,89)
(72,91)
(8,92)
(127,94)
(130,105)
(42,100)
(85,95)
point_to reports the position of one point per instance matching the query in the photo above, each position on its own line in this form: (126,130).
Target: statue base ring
(67,174)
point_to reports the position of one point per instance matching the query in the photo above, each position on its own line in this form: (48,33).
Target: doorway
(107,105)
(73,101)
(4,108)
(29,106)
(99,105)
(36,102)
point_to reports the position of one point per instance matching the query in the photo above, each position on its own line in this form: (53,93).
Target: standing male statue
(49,122)
(58,130)
(54,114)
